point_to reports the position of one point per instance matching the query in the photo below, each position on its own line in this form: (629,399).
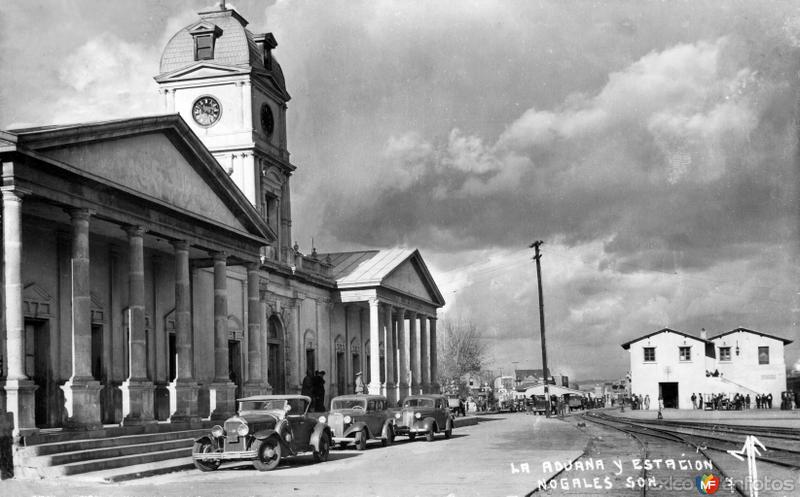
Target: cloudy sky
(652,146)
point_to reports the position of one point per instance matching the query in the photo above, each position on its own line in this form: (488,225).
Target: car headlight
(243,430)
(217,431)
(397,415)
(417,415)
(321,419)
(347,419)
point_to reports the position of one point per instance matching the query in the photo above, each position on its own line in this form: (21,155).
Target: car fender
(212,440)
(355,428)
(320,430)
(387,425)
(426,424)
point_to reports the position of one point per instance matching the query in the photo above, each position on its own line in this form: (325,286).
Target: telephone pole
(535,245)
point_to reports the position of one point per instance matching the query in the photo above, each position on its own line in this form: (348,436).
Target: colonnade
(81,390)
(408,369)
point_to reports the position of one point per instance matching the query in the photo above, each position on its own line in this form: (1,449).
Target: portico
(98,242)
(395,290)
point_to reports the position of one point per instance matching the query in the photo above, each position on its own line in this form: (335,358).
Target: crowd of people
(314,386)
(738,401)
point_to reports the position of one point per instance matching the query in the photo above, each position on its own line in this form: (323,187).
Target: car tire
(324,451)
(268,454)
(412,436)
(203,448)
(361,440)
(389,438)
(449,430)
(430,435)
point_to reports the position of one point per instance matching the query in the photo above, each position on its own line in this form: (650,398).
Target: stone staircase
(111,454)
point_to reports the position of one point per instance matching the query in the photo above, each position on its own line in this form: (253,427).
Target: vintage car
(354,419)
(266,429)
(424,415)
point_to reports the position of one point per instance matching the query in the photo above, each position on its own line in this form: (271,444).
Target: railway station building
(675,365)
(149,272)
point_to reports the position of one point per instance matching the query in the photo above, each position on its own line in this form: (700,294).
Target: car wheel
(361,440)
(449,430)
(321,455)
(268,454)
(429,436)
(389,438)
(205,448)
(412,436)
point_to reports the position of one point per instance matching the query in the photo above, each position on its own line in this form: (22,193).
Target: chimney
(703,334)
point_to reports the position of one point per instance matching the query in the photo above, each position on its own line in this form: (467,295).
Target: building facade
(675,365)
(148,269)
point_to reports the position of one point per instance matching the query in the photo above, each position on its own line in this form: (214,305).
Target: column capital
(133,230)
(411,314)
(220,256)
(180,244)
(252,265)
(14,192)
(80,213)
(374,302)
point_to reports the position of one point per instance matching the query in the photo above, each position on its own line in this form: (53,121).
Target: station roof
(627,345)
(745,330)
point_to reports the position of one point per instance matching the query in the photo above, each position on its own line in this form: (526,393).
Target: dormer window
(203,47)
(267,43)
(205,35)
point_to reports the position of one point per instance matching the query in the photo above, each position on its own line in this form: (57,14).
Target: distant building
(675,365)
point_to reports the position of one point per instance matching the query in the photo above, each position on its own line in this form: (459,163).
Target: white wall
(690,375)
(745,370)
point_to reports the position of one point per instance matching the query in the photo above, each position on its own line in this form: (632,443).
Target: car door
(442,407)
(371,417)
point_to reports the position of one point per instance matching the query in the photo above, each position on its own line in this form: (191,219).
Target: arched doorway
(275,367)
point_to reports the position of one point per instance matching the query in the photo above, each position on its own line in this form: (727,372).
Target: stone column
(256,385)
(81,391)
(183,388)
(402,344)
(262,314)
(137,390)
(374,347)
(223,390)
(434,357)
(424,361)
(20,390)
(389,353)
(413,352)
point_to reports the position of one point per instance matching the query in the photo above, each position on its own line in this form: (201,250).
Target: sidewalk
(757,417)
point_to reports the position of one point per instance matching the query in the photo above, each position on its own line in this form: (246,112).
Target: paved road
(476,461)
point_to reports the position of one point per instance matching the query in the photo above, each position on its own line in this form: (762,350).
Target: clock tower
(227,85)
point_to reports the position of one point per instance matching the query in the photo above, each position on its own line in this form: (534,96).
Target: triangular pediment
(151,166)
(407,278)
(201,70)
(202,27)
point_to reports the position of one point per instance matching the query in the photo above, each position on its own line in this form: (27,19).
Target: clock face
(267,121)
(206,111)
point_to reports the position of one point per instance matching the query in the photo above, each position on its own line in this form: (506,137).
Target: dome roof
(234,46)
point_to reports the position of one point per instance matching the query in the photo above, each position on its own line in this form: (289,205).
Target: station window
(685,353)
(649,354)
(763,355)
(724,353)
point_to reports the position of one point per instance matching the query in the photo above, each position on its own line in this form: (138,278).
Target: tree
(460,351)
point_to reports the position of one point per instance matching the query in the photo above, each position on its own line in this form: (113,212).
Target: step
(43,449)
(55,435)
(116,462)
(111,452)
(137,471)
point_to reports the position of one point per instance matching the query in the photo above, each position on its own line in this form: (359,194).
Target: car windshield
(262,405)
(348,404)
(418,403)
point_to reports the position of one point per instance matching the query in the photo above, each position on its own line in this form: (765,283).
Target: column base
(374,388)
(391,393)
(223,400)
(184,394)
(82,401)
(20,401)
(402,392)
(255,388)
(415,388)
(137,402)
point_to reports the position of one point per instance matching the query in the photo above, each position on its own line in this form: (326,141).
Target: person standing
(647,402)
(700,401)
(360,386)
(694,401)
(769,401)
(307,387)
(318,391)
